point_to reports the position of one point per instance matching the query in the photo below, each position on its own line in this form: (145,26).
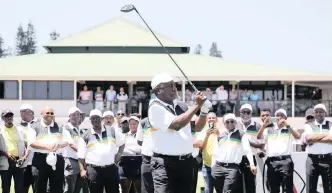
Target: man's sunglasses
(49,113)
(228,122)
(120,114)
(310,117)
(246,112)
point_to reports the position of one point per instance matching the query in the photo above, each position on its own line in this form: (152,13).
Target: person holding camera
(12,151)
(206,140)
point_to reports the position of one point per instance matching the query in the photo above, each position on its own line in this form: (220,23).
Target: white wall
(60,106)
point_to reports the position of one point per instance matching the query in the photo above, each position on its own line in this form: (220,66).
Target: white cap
(73,110)
(229,116)
(246,106)
(320,106)
(280,111)
(51,160)
(95,112)
(134,118)
(26,107)
(108,113)
(161,78)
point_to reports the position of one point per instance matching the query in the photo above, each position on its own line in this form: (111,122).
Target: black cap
(6,112)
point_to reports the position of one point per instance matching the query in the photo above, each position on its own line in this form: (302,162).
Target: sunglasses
(49,113)
(228,122)
(246,112)
(310,117)
(120,114)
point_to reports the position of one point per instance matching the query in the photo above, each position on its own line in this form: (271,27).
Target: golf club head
(128,8)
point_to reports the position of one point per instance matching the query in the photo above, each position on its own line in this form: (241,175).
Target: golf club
(129,8)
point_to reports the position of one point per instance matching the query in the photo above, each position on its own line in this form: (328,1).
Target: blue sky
(280,32)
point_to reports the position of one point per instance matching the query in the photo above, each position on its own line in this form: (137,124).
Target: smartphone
(274,119)
(211,125)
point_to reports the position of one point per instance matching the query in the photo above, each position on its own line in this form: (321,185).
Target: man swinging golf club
(172,144)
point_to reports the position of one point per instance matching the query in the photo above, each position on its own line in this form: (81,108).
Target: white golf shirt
(278,142)
(101,151)
(49,138)
(251,132)
(131,146)
(318,148)
(145,137)
(68,151)
(168,141)
(231,148)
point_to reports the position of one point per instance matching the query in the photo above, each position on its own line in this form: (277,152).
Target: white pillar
(183,90)
(285,91)
(75,92)
(140,108)
(293,98)
(20,90)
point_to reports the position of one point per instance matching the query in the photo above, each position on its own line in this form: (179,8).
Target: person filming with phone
(278,136)
(206,140)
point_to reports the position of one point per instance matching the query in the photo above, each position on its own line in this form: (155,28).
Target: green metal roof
(142,67)
(114,32)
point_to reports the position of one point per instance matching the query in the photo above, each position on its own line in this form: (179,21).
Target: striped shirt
(100,149)
(278,142)
(231,147)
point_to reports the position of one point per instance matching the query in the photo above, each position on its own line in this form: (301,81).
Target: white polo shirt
(317,148)
(195,150)
(68,151)
(49,138)
(24,131)
(251,133)
(230,149)
(145,137)
(168,141)
(131,146)
(278,142)
(101,151)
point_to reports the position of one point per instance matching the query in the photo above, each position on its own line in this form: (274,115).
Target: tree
(31,39)
(26,40)
(2,50)
(214,50)
(198,49)
(54,35)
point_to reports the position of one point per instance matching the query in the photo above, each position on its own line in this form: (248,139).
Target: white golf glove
(206,107)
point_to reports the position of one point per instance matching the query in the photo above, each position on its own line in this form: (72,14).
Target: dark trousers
(103,177)
(280,173)
(43,173)
(28,179)
(17,174)
(249,182)
(196,167)
(172,174)
(226,177)
(146,175)
(319,165)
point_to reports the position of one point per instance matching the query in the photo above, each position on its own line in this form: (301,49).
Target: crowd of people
(160,153)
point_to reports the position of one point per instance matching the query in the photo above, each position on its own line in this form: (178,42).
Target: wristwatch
(59,145)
